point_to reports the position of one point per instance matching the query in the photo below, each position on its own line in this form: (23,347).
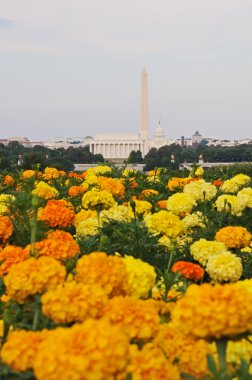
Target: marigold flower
(74,302)
(199,171)
(97,199)
(84,215)
(141,207)
(43,190)
(6,228)
(200,190)
(176,183)
(28,174)
(100,169)
(8,180)
(151,363)
(21,348)
(245,197)
(33,276)
(107,271)
(217,183)
(203,249)
(92,350)
(87,227)
(191,271)
(224,267)
(51,173)
(164,222)
(180,203)
(118,213)
(5,201)
(234,184)
(193,220)
(213,312)
(137,318)
(192,353)
(229,203)
(9,256)
(238,351)
(145,194)
(162,204)
(140,278)
(74,191)
(112,185)
(234,236)
(57,213)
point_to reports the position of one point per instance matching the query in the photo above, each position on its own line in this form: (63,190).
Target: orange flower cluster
(114,186)
(176,183)
(234,236)
(57,213)
(77,176)
(147,193)
(8,180)
(9,256)
(74,191)
(217,183)
(51,173)
(59,245)
(162,204)
(28,174)
(191,271)
(6,228)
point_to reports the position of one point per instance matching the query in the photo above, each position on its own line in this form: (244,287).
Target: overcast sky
(73,67)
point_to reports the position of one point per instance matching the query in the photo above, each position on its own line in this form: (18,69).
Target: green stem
(36,317)
(222,350)
(34,224)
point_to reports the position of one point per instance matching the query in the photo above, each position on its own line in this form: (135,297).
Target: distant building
(196,138)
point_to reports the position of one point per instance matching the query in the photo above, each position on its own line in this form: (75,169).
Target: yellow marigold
(5,201)
(246,249)
(87,227)
(137,318)
(33,276)
(92,350)
(43,190)
(141,277)
(1,328)
(141,207)
(113,185)
(165,241)
(129,173)
(74,302)
(85,186)
(193,220)
(51,173)
(234,236)
(57,213)
(118,213)
(107,271)
(147,193)
(8,180)
(238,351)
(180,203)
(212,312)
(100,169)
(74,191)
(150,363)
(90,179)
(28,174)
(200,190)
(59,245)
(245,197)
(11,255)
(164,222)
(21,348)
(189,354)
(84,215)
(6,228)
(224,267)
(98,199)
(234,184)
(229,203)
(201,250)
(199,171)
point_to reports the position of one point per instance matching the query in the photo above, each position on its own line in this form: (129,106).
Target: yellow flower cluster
(238,351)
(84,215)
(33,276)
(234,184)
(141,207)
(245,197)
(201,250)
(164,222)
(21,349)
(43,190)
(73,302)
(181,203)
(150,363)
(92,350)
(137,318)
(106,271)
(212,312)
(193,220)
(200,190)
(95,199)
(118,213)
(224,267)
(87,227)
(100,170)
(192,353)
(229,203)
(5,201)
(234,236)
(140,277)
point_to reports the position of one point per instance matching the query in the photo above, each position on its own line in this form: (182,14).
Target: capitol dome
(159,132)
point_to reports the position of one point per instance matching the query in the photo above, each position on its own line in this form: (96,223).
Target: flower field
(120,275)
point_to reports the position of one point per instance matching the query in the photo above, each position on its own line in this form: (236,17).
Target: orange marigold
(217,183)
(6,228)
(147,193)
(57,213)
(9,256)
(191,271)
(28,174)
(234,236)
(74,191)
(51,173)
(162,204)
(176,183)
(113,185)
(8,180)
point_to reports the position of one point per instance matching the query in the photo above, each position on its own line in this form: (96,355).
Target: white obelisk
(144,124)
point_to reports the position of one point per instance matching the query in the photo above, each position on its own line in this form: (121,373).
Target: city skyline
(78,74)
